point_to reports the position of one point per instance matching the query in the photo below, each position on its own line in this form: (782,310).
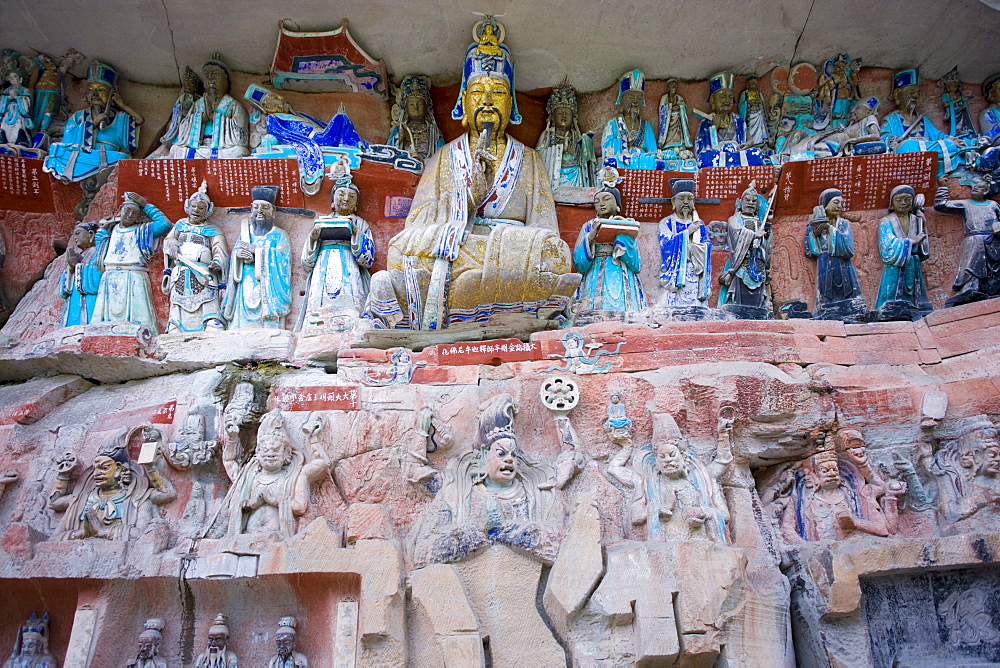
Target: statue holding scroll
(607,254)
(114,498)
(338,253)
(481,236)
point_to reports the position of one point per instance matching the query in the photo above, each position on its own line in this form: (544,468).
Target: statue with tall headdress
(837,91)
(834,498)
(413,126)
(195,262)
(675,495)
(284,640)
(97,137)
(271,488)
(217,125)
(148,655)
(126,245)
(957,114)
(114,496)
(494,494)
(628,138)
(722,135)
(481,236)
(338,253)
(217,653)
(568,154)
(908,131)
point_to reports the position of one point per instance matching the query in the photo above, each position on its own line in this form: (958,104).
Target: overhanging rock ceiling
(590,41)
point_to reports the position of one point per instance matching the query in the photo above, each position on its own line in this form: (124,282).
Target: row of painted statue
(208,122)
(106,278)
(31,649)
(828,120)
(495,492)
(481,239)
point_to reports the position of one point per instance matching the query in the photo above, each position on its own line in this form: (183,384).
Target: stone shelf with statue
(278,393)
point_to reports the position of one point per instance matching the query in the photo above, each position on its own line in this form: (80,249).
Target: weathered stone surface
(502,585)
(438,591)
(28,403)
(578,568)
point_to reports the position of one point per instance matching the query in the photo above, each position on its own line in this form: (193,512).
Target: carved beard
(214,658)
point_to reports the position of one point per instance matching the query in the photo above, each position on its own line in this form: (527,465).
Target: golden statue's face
(487,99)
(275,104)
(98,94)
(722,100)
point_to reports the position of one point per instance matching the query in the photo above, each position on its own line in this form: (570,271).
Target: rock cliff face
(778,493)
(639,490)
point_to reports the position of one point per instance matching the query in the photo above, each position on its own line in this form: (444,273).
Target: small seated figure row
(106,279)
(831,120)
(607,254)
